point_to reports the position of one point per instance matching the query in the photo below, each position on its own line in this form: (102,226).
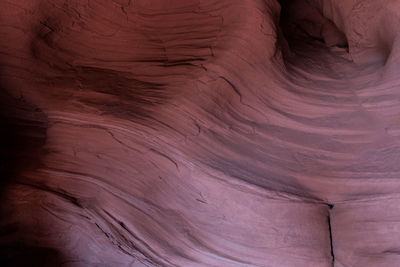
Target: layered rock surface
(200,133)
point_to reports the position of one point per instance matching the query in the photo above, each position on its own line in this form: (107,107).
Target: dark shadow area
(18,254)
(303,23)
(312,45)
(22,136)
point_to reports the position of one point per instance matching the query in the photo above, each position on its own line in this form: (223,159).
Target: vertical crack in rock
(330,233)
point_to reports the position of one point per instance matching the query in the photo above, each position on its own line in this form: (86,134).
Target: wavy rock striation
(200,133)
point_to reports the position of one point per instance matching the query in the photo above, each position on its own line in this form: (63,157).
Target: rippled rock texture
(200,133)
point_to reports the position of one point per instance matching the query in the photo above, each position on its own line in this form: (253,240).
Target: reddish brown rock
(200,133)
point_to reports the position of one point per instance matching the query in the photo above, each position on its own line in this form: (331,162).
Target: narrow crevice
(330,233)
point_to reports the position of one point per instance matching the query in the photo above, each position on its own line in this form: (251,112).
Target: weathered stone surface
(200,133)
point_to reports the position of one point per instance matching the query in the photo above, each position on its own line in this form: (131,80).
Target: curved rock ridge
(200,133)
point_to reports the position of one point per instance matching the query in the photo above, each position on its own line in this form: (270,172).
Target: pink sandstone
(200,133)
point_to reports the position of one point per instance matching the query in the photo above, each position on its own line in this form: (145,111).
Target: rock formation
(200,133)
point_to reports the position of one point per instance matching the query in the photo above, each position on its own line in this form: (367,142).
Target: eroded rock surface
(200,133)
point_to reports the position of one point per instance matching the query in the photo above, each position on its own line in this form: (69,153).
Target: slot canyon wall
(200,133)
